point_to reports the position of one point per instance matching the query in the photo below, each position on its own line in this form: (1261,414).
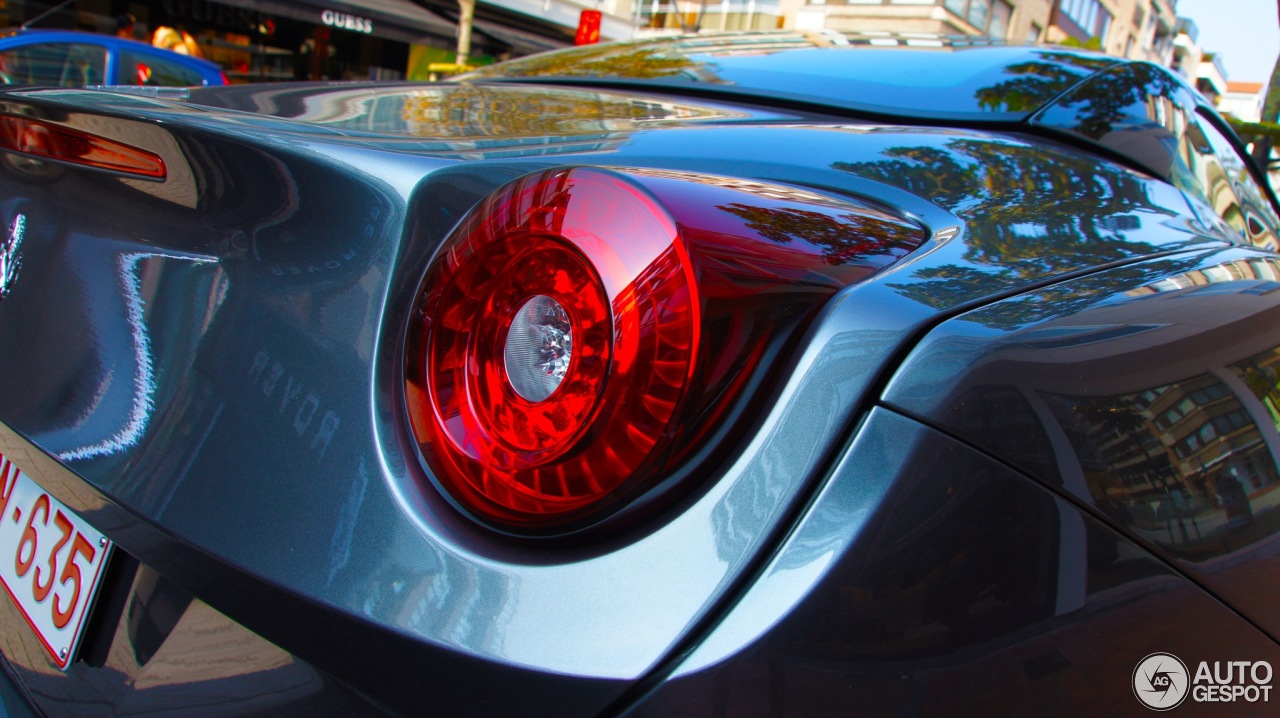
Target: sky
(1244,33)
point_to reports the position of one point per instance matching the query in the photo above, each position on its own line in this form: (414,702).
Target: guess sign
(344,21)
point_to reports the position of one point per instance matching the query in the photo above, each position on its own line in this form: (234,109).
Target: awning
(522,42)
(399,20)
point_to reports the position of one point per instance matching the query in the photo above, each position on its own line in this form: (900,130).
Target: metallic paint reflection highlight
(142,402)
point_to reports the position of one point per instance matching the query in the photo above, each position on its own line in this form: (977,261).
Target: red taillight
(46,140)
(584,329)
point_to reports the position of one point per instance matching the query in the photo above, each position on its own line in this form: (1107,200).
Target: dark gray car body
(210,370)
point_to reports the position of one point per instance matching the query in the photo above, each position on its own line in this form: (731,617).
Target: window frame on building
(980,13)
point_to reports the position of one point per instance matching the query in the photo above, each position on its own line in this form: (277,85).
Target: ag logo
(10,259)
(1160,681)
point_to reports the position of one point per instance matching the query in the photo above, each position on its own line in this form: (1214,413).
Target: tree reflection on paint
(487,111)
(1035,83)
(1027,216)
(843,239)
(1118,98)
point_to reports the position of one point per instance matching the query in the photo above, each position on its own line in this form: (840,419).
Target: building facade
(660,17)
(1014,21)
(1243,100)
(1202,69)
(1138,29)
(261,40)
(266,40)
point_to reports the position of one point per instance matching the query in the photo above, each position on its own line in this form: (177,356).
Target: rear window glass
(138,68)
(62,64)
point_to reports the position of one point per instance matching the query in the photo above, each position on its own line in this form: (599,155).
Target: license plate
(51,561)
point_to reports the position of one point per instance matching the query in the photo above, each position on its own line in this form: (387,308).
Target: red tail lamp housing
(583,330)
(50,141)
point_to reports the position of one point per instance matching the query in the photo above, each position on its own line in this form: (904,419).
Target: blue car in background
(74,59)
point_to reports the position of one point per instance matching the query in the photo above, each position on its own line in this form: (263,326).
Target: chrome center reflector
(539,347)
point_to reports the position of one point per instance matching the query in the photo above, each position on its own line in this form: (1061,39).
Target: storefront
(320,40)
(264,40)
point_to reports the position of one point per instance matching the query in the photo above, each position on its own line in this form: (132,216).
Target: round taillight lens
(586,336)
(559,330)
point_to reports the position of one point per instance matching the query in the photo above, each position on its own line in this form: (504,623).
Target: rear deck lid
(921,76)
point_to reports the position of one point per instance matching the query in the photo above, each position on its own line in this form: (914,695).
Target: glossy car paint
(829,71)
(927,577)
(1010,573)
(208,370)
(1203,503)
